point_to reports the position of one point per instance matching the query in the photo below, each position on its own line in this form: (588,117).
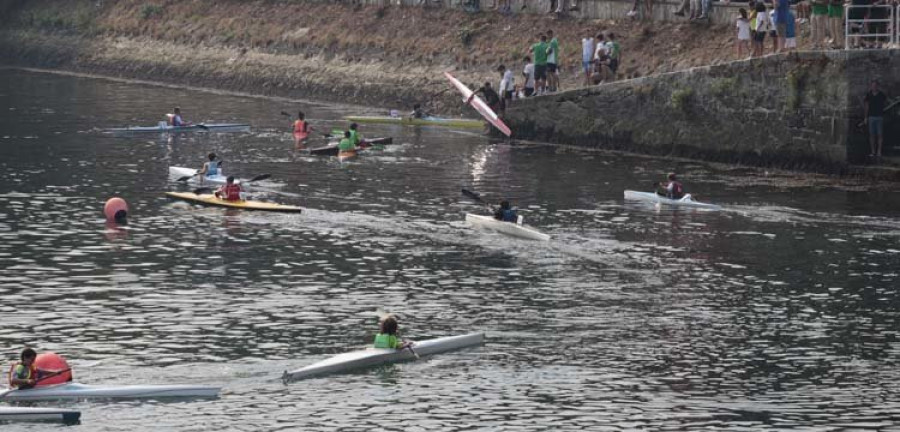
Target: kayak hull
(27,414)
(211,127)
(83,391)
(479,105)
(377,356)
(211,200)
(426,121)
(508,228)
(686,201)
(333,150)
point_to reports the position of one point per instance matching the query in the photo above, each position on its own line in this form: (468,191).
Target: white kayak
(162,127)
(376,356)
(12,414)
(82,391)
(178,172)
(509,228)
(685,201)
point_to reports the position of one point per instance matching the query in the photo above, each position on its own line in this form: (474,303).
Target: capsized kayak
(165,128)
(509,228)
(332,148)
(685,201)
(425,121)
(376,356)
(479,105)
(212,200)
(27,414)
(80,391)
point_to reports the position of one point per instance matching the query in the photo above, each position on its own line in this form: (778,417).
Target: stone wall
(798,110)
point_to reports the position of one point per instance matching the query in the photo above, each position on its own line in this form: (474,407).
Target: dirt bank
(369,55)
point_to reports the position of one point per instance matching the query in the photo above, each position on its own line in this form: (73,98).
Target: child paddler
(389,337)
(355,137)
(347,145)
(25,374)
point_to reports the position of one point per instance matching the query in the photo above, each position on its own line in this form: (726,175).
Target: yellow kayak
(210,199)
(425,121)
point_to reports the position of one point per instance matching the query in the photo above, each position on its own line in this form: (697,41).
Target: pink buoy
(116,210)
(53,362)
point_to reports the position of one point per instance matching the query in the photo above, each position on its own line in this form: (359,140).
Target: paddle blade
(472,195)
(199,191)
(202,126)
(285,114)
(259,177)
(185,178)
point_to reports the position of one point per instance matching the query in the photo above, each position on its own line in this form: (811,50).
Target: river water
(778,312)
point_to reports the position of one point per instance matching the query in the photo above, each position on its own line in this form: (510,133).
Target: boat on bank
(509,228)
(424,121)
(29,414)
(686,201)
(163,127)
(212,200)
(377,356)
(84,391)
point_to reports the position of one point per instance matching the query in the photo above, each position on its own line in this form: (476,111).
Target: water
(779,312)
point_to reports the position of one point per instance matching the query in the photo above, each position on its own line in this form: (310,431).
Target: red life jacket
(299,127)
(231,192)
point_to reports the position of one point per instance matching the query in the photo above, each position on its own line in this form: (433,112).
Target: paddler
(210,168)
(388,337)
(301,128)
(506,213)
(230,191)
(671,189)
(418,112)
(25,374)
(355,137)
(346,145)
(175,118)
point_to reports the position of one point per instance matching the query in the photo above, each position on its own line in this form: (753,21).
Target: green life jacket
(354,137)
(384,340)
(346,144)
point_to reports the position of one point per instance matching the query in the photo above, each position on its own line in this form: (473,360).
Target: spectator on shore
(647,10)
(752,7)
(836,23)
(552,62)
(683,8)
(874,117)
(743,33)
(507,87)
(614,56)
(782,9)
(762,27)
(705,6)
(587,57)
(819,22)
(773,33)
(539,51)
(600,58)
(528,74)
(790,34)
(803,11)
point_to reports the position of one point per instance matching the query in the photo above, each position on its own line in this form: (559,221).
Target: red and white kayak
(479,105)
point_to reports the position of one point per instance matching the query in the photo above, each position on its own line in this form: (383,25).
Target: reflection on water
(778,312)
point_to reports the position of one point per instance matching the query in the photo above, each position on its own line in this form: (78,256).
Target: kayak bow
(82,391)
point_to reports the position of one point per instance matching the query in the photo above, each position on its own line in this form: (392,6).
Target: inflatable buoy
(52,362)
(116,210)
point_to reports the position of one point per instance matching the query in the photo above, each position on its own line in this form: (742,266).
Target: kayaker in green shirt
(355,136)
(389,336)
(346,144)
(539,50)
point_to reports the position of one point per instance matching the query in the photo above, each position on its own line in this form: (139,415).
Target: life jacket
(31,372)
(175,120)
(231,192)
(212,168)
(677,189)
(300,127)
(354,137)
(346,145)
(384,340)
(509,215)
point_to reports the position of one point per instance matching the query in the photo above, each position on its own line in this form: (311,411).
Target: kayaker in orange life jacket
(24,374)
(301,127)
(506,213)
(230,191)
(672,189)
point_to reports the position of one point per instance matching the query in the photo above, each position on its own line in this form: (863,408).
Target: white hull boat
(685,201)
(165,128)
(509,228)
(25,414)
(178,172)
(376,356)
(83,391)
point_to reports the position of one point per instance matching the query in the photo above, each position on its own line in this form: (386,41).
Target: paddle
(259,177)
(477,198)
(198,191)
(50,375)
(410,348)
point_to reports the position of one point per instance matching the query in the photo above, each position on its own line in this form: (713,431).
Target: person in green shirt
(346,145)
(819,22)
(355,136)
(540,64)
(389,336)
(552,62)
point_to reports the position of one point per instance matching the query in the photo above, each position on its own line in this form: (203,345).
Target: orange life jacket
(300,127)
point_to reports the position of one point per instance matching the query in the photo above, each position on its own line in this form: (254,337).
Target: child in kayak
(210,168)
(230,191)
(175,118)
(389,337)
(355,137)
(506,213)
(25,374)
(301,128)
(346,145)
(672,189)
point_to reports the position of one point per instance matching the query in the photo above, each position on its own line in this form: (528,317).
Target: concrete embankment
(800,110)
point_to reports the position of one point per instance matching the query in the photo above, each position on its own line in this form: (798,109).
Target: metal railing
(858,30)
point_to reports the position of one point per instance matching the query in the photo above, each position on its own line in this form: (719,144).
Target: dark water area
(778,312)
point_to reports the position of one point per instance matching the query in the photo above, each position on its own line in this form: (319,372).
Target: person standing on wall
(539,51)
(836,23)
(874,117)
(552,62)
(782,9)
(587,57)
(819,22)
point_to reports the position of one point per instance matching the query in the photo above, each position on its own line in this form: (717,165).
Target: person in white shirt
(507,86)
(528,73)
(762,27)
(601,54)
(743,33)
(587,57)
